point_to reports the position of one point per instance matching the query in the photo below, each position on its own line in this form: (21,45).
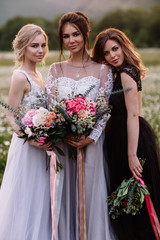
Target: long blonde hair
(131,56)
(23,38)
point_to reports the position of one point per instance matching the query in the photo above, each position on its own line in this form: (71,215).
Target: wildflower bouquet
(128,198)
(80,113)
(39,124)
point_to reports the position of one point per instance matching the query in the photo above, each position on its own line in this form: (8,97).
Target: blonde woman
(24,193)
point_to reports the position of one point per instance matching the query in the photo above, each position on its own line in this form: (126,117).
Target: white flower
(28,131)
(40,117)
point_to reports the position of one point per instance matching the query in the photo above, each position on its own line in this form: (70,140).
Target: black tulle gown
(128,227)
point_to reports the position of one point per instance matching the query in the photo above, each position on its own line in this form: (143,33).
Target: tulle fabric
(25,195)
(25,212)
(131,227)
(96,176)
(115,148)
(61,80)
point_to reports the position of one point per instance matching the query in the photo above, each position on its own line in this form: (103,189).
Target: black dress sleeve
(134,73)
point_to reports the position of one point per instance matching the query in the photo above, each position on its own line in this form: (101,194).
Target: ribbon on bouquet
(81,195)
(52,190)
(152,214)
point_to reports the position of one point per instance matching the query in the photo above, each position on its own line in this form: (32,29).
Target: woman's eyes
(115,49)
(74,35)
(37,45)
(34,46)
(65,36)
(106,53)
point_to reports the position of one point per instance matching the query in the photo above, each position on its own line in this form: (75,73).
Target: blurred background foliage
(141,26)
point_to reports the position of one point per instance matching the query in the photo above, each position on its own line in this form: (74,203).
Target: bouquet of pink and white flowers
(80,112)
(38,124)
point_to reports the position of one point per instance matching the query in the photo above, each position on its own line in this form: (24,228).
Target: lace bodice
(117,101)
(134,73)
(36,97)
(62,81)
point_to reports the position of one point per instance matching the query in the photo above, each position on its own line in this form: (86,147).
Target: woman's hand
(80,143)
(46,146)
(135,166)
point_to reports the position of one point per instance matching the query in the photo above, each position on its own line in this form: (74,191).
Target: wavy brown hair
(80,21)
(130,54)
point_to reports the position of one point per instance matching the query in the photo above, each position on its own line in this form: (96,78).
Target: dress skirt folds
(25,194)
(131,227)
(25,212)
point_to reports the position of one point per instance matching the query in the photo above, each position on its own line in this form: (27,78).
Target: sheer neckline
(72,65)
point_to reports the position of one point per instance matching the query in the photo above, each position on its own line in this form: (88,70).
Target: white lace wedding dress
(25,193)
(63,79)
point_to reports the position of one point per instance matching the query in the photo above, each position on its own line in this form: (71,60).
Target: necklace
(77,74)
(85,63)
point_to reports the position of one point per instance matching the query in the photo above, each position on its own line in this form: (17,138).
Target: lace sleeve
(107,84)
(51,83)
(134,73)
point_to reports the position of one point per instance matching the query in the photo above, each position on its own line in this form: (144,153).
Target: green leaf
(73,127)
(59,151)
(141,197)
(145,190)
(63,112)
(88,91)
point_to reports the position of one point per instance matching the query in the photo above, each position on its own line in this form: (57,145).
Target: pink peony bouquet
(40,124)
(80,113)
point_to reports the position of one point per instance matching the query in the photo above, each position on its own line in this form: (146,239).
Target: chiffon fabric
(136,227)
(63,79)
(25,212)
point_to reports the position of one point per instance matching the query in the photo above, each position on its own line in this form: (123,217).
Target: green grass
(5,138)
(150,56)
(6,62)
(151,97)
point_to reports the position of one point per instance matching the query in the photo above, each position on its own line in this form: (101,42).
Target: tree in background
(140,25)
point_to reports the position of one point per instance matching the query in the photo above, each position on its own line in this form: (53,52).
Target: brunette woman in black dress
(128,136)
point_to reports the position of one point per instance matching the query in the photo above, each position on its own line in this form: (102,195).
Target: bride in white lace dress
(77,75)
(24,195)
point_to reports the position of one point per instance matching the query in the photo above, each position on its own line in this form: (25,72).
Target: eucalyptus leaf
(141,197)
(59,150)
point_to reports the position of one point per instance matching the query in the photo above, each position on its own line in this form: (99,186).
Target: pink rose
(42,140)
(32,112)
(27,121)
(76,104)
(51,116)
(48,122)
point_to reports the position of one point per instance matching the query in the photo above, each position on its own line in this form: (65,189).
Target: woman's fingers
(137,173)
